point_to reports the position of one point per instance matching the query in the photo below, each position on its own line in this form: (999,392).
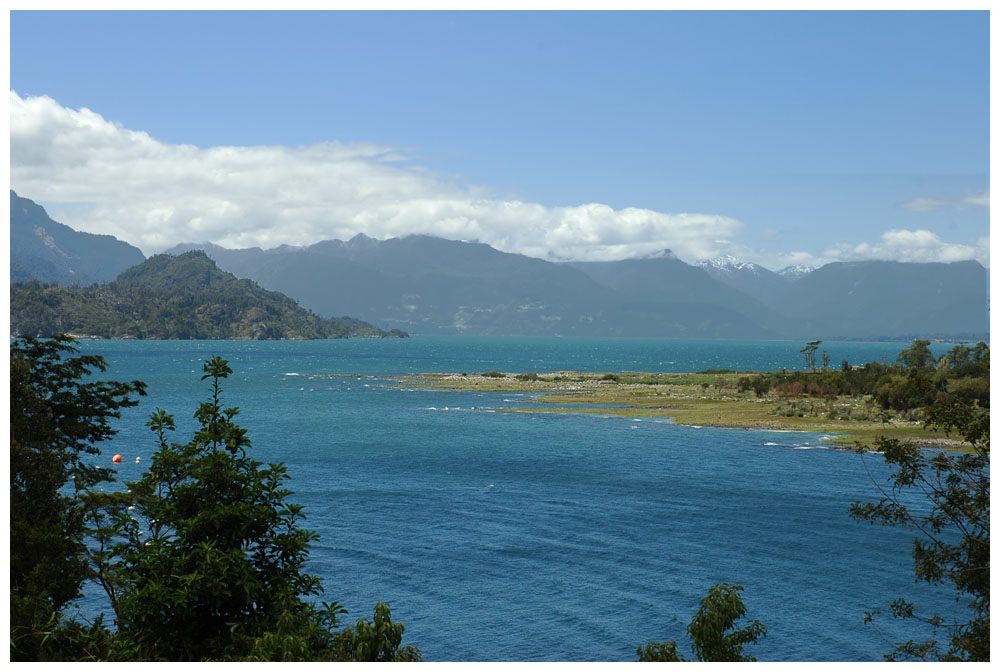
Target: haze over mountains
(42,249)
(431,285)
(426,285)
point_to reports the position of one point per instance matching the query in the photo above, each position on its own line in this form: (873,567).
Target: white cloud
(925,204)
(982,199)
(97,176)
(916,246)
(894,245)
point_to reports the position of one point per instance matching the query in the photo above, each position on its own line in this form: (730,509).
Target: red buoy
(116,459)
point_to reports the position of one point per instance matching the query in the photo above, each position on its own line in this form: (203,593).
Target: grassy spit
(708,399)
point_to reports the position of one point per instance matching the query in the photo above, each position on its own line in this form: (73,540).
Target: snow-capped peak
(728,264)
(795,272)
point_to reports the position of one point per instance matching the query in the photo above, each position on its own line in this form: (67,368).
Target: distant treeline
(914,381)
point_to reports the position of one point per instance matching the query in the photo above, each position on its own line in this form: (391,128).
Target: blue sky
(777,137)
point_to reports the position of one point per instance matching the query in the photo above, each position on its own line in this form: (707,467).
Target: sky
(779,138)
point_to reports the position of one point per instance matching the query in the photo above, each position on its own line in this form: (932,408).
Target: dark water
(510,536)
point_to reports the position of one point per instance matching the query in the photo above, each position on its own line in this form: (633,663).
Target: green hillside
(166,297)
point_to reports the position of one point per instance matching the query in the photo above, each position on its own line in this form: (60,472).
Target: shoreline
(706,399)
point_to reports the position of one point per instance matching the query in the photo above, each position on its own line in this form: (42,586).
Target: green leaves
(56,420)
(659,652)
(378,640)
(713,632)
(952,525)
(918,355)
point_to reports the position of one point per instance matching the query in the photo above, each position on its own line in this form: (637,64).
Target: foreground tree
(951,517)
(56,420)
(203,558)
(713,632)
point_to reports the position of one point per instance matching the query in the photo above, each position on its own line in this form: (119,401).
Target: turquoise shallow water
(508,536)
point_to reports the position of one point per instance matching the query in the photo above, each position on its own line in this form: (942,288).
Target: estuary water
(501,536)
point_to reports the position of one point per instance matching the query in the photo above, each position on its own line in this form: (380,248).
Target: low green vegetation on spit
(857,404)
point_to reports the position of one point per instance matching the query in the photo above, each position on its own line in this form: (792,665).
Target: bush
(761,385)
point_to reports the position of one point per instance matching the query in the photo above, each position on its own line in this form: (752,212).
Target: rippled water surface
(511,536)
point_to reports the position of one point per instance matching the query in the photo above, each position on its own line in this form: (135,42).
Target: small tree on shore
(917,356)
(809,354)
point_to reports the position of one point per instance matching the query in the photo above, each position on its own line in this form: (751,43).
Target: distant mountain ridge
(43,249)
(869,299)
(424,284)
(432,285)
(751,279)
(673,287)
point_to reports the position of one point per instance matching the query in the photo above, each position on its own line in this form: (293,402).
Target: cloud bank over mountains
(902,245)
(99,177)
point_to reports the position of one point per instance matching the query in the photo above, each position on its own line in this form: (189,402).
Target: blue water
(510,536)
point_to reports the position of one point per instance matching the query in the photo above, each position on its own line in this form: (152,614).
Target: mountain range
(432,285)
(42,249)
(425,285)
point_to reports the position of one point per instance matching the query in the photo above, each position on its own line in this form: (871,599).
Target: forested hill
(167,297)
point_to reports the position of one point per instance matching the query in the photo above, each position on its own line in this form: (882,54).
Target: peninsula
(709,399)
